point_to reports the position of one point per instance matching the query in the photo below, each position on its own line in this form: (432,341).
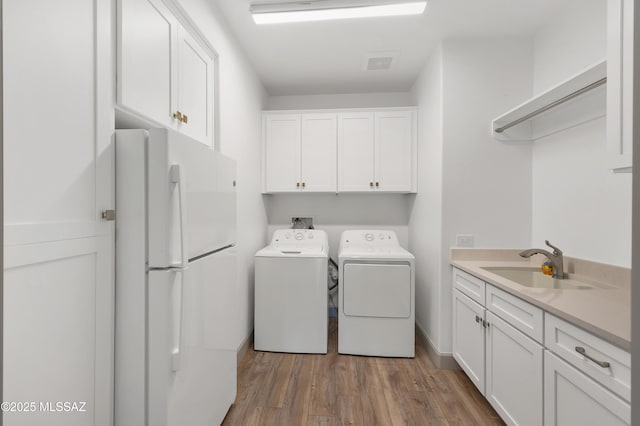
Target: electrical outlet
(464,240)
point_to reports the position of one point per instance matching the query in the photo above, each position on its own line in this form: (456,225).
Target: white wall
(336,213)
(242,98)
(425,224)
(347,100)
(578,204)
(485,185)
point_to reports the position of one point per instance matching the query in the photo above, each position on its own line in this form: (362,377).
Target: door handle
(178,290)
(177,178)
(582,351)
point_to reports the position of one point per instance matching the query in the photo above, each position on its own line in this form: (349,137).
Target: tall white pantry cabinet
(58,251)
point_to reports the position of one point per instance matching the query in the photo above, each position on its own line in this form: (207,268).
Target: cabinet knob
(303,184)
(177,115)
(297,184)
(371,184)
(185,118)
(377,184)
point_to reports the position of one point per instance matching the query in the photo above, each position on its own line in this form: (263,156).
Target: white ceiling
(327,57)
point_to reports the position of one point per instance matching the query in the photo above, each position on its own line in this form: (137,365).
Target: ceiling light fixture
(322,10)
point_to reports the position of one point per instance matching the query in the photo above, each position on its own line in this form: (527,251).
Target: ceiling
(327,57)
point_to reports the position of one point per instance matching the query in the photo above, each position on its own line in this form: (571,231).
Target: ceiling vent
(379,61)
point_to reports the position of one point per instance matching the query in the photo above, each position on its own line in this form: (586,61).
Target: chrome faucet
(555,258)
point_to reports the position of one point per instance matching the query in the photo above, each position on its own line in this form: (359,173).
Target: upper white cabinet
(195,88)
(340,151)
(164,75)
(356,158)
(318,152)
(299,153)
(620,84)
(376,151)
(395,141)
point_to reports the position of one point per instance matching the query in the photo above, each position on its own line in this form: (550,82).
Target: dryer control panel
(369,237)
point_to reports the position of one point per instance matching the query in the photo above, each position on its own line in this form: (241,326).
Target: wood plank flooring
(334,389)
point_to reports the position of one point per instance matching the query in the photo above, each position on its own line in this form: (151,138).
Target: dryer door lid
(377,290)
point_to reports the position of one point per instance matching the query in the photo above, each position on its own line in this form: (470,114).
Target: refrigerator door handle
(177,321)
(177,177)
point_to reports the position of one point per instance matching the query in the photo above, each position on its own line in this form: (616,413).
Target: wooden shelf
(580,109)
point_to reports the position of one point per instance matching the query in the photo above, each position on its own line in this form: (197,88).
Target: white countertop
(604,311)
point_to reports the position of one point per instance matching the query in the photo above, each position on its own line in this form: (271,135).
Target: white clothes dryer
(376,314)
(291,302)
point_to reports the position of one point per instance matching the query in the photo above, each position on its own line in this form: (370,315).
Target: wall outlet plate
(464,240)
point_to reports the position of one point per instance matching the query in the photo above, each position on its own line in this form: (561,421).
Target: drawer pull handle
(583,352)
(478,319)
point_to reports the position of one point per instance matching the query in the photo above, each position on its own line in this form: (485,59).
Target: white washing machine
(376,314)
(291,303)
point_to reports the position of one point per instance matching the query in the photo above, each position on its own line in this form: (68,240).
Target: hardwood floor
(334,389)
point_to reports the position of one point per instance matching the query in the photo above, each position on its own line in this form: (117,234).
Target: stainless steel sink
(534,278)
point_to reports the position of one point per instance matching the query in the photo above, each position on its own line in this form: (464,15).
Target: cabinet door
(355,152)
(146,42)
(468,338)
(394,133)
(514,373)
(318,153)
(195,88)
(281,153)
(572,398)
(58,284)
(619,83)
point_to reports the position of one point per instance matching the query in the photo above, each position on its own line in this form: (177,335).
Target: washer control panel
(298,236)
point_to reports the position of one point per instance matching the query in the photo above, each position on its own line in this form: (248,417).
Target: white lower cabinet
(572,398)
(503,363)
(533,367)
(513,373)
(468,337)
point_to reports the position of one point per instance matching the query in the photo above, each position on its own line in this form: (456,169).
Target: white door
(572,398)
(514,373)
(393,140)
(146,59)
(195,89)
(281,148)
(318,153)
(355,152)
(468,338)
(58,276)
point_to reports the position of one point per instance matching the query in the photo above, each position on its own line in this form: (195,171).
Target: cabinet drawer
(469,285)
(564,339)
(518,313)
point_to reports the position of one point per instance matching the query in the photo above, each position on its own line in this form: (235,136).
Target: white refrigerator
(175,359)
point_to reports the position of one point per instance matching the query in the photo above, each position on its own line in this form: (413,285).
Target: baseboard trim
(244,347)
(442,360)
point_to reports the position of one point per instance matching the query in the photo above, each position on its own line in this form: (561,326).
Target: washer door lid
(377,290)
